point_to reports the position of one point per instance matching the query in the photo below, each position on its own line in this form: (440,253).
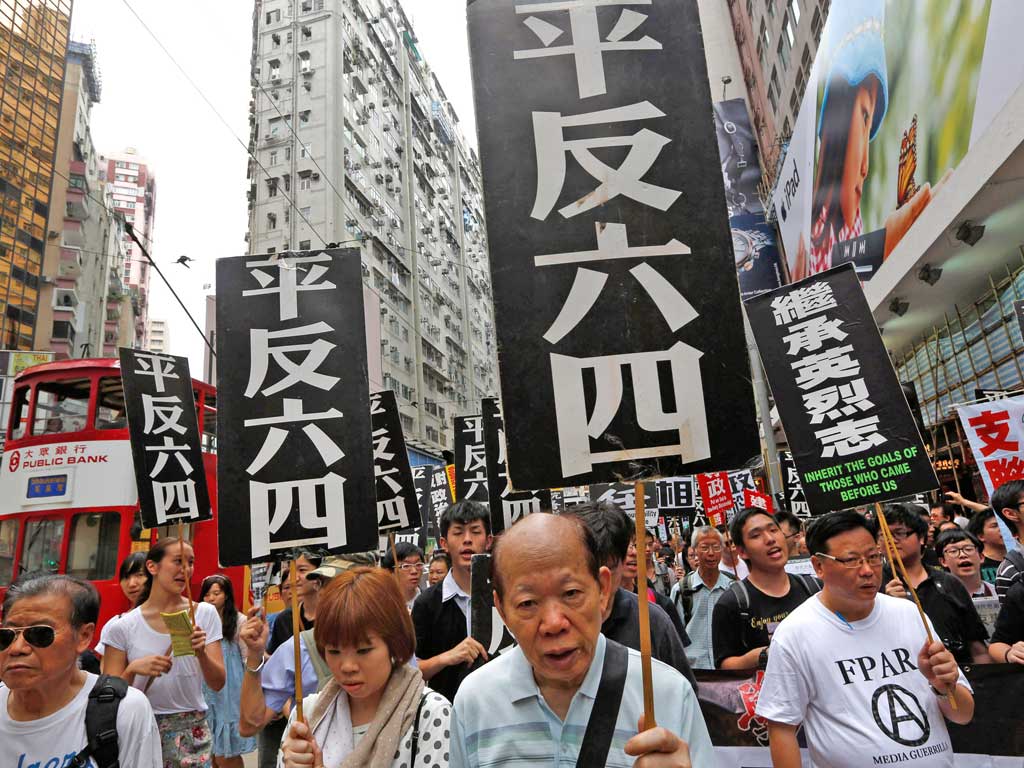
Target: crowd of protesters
(392,675)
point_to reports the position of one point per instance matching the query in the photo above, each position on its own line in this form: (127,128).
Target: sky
(199,161)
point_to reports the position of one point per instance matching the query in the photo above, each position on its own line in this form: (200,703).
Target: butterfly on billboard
(906,187)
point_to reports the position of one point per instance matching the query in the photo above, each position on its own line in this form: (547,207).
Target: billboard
(898,94)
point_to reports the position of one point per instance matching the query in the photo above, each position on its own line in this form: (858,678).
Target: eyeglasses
(709,548)
(966,549)
(796,535)
(873,559)
(38,637)
(407,567)
(901,533)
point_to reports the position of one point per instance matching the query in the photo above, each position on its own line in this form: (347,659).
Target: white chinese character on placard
(304,372)
(176,495)
(391,513)
(851,436)
(160,367)
(381,458)
(587,46)
(515,509)
(475,466)
(837,401)
(717,486)
(802,303)
(169,449)
(167,410)
(271,504)
(275,437)
(811,335)
(288,284)
(835,363)
(644,147)
(576,427)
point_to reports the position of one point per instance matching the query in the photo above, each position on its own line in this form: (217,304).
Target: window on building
(783,51)
(787,129)
(760,54)
(794,10)
(306,151)
(304,63)
(275,69)
(92,548)
(805,62)
(273,17)
(275,40)
(305,211)
(816,24)
(271,221)
(272,187)
(304,116)
(771,8)
(273,157)
(794,102)
(303,245)
(765,35)
(789,30)
(305,182)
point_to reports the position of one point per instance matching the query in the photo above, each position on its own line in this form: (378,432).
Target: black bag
(597,739)
(101,723)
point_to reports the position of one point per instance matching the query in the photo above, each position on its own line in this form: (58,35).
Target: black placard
(849,427)
(164,432)
(485,625)
(677,497)
(621,346)
(624,495)
(470,460)
(434,495)
(507,506)
(295,460)
(397,505)
(793,497)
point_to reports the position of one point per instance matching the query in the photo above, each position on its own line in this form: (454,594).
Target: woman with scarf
(376,711)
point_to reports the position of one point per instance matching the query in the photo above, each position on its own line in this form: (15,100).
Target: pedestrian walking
(139,650)
(223,712)
(375,711)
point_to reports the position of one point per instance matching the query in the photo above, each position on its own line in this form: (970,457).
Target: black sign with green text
(849,427)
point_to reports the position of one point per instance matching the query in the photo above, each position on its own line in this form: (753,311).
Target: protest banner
(166,444)
(676,497)
(758,500)
(741,481)
(993,739)
(507,506)
(716,495)
(624,496)
(397,506)
(470,460)
(793,492)
(851,432)
(295,458)
(433,493)
(596,267)
(995,433)
(485,624)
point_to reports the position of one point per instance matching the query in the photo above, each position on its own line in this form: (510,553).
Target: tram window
(19,411)
(209,423)
(41,551)
(61,406)
(110,412)
(8,538)
(92,551)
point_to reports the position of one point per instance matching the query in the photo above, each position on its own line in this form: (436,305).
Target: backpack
(684,596)
(101,723)
(739,589)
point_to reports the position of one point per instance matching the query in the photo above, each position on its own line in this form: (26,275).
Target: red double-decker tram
(68,502)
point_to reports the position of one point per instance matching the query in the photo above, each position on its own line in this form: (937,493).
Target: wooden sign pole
(394,556)
(296,630)
(897,561)
(188,580)
(645,618)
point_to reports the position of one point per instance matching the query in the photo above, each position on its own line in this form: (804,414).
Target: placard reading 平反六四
(470,460)
(295,459)
(397,505)
(485,624)
(622,350)
(507,506)
(164,433)
(849,427)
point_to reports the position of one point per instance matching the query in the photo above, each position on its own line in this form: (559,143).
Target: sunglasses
(38,637)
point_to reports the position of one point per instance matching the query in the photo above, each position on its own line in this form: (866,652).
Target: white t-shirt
(740,570)
(181,689)
(55,739)
(856,687)
(101,646)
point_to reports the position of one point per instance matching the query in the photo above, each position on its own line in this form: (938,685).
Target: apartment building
(357,144)
(158,336)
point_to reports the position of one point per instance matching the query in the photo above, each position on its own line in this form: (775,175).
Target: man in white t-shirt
(48,621)
(854,667)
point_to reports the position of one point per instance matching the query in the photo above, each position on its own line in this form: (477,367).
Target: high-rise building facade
(33,43)
(132,187)
(357,144)
(158,336)
(81,293)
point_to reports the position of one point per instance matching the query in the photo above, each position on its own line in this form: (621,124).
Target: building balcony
(77,208)
(70,263)
(73,235)
(110,350)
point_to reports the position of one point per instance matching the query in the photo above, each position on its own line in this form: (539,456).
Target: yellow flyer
(180,629)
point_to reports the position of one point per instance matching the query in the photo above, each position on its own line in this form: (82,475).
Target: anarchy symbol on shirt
(900,716)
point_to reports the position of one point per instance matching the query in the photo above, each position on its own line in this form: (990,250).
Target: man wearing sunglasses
(48,621)
(855,668)
(409,569)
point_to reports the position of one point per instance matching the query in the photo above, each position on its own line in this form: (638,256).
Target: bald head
(543,540)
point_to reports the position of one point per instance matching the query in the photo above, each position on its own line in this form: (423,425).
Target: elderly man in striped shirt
(566,695)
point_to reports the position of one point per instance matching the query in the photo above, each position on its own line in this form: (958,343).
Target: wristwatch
(762,659)
(942,696)
(258,669)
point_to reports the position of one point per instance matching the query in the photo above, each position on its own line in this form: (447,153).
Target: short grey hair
(84,599)
(706,530)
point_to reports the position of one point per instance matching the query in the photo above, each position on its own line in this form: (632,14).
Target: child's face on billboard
(855,167)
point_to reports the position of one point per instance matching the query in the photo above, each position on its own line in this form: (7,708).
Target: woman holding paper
(376,711)
(152,648)
(223,714)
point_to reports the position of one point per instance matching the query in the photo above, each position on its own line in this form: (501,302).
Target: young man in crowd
(1008,502)
(610,533)
(440,564)
(654,595)
(660,577)
(942,596)
(746,616)
(941,513)
(409,569)
(48,621)
(306,592)
(959,552)
(444,649)
(697,594)
(1008,638)
(985,527)
(793,529)
(731,563)
(854,667)
(532,705)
